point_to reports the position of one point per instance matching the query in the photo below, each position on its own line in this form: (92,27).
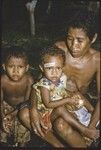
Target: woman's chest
(81,72)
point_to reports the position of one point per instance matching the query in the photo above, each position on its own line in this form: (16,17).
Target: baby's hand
(77,100)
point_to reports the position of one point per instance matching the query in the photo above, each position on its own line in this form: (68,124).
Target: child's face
(78,42)
(15,68)
(52,68)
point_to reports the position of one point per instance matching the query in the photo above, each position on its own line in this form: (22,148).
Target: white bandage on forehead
(49,64)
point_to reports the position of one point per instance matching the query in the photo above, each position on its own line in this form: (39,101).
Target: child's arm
(35,118)
(53,104)
(30,82)
(1,102)
(3,118)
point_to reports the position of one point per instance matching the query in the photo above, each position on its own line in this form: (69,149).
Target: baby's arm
(80,100)
(35,118)
(45,93)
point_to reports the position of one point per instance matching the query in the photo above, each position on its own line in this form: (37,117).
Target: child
(55,90)
(15,90)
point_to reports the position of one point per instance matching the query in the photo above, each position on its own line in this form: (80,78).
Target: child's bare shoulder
(4,78)
(4,81)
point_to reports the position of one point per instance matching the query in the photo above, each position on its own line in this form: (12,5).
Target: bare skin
(16,92)
(77,67)
(82,63)
(31,118)
(80,69)
(15,86)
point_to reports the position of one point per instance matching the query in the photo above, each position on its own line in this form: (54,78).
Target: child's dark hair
(85,19)
(52,51)
(15,51)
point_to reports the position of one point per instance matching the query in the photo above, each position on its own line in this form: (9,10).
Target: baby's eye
(20,66)
(80,41)
(48,68)
(59,68)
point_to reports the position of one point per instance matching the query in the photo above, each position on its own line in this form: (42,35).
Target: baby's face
(71,86)
(16,68)
(52,68)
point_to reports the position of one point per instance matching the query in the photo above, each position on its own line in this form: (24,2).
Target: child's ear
(27,67)
(3,65)
(94,38)
(41,68)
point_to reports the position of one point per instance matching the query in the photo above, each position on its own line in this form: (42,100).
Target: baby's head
(52,62)
(71,85)
(15,63)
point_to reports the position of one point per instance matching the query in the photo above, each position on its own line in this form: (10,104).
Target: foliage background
(49,27)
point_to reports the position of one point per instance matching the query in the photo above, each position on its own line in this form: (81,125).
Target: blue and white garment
(83,115)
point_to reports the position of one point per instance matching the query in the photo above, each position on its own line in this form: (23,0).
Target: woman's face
(78,42)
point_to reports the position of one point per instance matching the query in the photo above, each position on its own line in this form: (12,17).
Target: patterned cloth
(19,133)
(56,92)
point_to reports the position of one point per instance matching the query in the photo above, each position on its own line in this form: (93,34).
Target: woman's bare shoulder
(95,55)
(95,52)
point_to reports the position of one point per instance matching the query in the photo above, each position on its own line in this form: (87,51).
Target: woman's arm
(86,103)
(96,114)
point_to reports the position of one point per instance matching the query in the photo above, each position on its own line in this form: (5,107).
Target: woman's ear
(3,65)
(94,38)
(41,68)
